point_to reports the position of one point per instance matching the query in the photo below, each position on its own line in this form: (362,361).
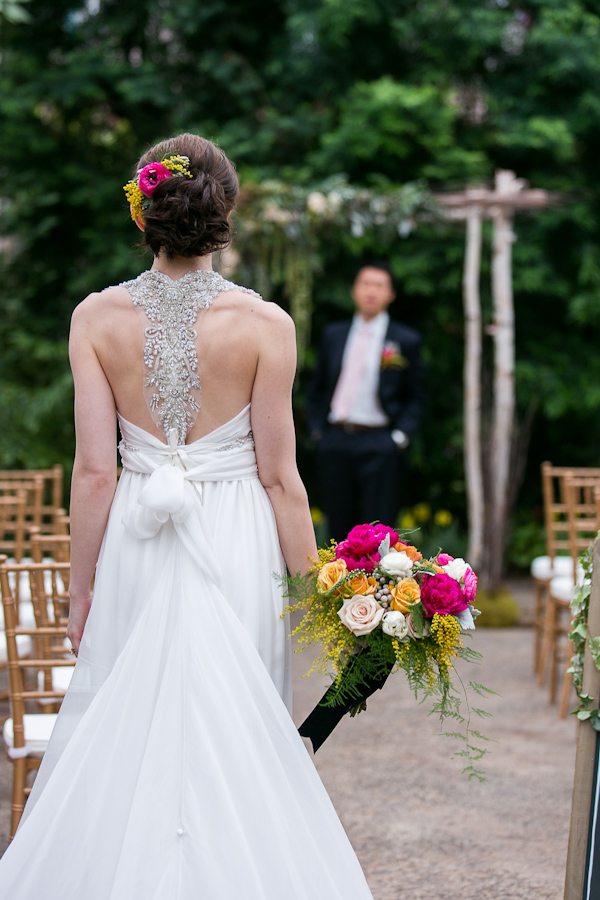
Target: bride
(174,771)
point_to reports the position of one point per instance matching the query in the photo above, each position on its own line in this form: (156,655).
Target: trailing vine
(580,605)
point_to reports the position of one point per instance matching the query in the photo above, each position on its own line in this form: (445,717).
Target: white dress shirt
(366,408)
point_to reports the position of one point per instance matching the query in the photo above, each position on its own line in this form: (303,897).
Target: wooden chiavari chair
(559,561)
(62,522)
(12,520)
(44,490)
(26,734)
(50,596)
(582,528)
(12,525)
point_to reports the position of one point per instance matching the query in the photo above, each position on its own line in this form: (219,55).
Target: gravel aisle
(423,832)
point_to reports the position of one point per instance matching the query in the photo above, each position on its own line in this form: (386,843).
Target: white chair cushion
(544,568)
(61,679)
(23,646)
(38,728)
(562,587)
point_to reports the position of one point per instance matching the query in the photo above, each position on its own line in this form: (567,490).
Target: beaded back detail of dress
(170,310)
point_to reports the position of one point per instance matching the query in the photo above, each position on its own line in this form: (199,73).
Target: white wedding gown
(175,771)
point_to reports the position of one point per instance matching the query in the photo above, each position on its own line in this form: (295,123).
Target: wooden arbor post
(488,515)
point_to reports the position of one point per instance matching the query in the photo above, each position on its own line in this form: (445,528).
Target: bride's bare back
(230,336)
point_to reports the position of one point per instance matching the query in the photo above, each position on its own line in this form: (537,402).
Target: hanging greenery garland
(281,227)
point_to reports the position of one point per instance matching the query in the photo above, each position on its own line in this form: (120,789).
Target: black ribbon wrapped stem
(319,724)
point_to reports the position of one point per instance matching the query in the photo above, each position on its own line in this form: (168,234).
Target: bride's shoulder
(100,306)
(249,304)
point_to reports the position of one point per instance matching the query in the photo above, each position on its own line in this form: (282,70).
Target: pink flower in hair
(150,176)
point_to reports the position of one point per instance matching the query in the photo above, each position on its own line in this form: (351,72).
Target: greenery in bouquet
(373,605)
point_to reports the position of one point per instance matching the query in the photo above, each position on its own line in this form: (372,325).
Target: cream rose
(397,563)
(394,624)
(361,614)
(330,574)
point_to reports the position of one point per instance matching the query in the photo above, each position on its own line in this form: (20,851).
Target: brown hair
(188,217)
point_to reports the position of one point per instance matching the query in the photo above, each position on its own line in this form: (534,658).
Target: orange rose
(360,584)
(330,574)
(404,594)
(410,551)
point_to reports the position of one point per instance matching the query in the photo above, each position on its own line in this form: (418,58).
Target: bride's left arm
(95,468)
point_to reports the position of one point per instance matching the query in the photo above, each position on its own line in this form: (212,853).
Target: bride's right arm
(95,467)
(275,440)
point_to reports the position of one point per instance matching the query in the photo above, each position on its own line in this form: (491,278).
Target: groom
(364,406)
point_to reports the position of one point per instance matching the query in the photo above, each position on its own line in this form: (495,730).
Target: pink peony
(382,530)
(443,559)
(150,176)
(367,563)
(363,540)
(359,550)
(361,614)
(470,584)
(442,594)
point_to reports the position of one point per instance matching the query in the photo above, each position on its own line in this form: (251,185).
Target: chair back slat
(44,489)
(12,521)
(47,636)
(57,547)
(559,530)
(581,511)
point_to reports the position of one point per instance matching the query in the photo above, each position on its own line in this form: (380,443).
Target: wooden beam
(504,387)
(472,387)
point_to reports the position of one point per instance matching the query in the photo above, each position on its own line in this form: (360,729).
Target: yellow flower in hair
(135,198)
(141,188)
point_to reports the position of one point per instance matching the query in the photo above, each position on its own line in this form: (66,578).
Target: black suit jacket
(401,390)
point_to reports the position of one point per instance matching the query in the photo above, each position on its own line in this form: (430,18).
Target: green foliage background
(386,91)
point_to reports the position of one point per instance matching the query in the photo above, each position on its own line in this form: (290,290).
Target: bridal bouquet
(373,605)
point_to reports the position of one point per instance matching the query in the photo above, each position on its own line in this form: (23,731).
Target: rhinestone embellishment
(170,356)
(239,442)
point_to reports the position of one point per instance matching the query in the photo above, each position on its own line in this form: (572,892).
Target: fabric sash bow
(165,496)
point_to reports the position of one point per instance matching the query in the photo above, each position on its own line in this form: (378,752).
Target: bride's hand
(78,612)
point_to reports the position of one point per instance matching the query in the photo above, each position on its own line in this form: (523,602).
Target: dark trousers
(360,478)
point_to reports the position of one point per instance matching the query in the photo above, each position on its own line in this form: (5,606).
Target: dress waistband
(231,461)
(174,488)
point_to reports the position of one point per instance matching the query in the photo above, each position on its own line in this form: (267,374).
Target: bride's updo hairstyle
(189,216)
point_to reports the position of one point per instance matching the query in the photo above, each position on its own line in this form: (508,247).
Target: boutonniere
(391,357)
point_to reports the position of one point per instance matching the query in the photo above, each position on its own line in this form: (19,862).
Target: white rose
(394,623)
(317,203)
(397,563)
(456,568)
